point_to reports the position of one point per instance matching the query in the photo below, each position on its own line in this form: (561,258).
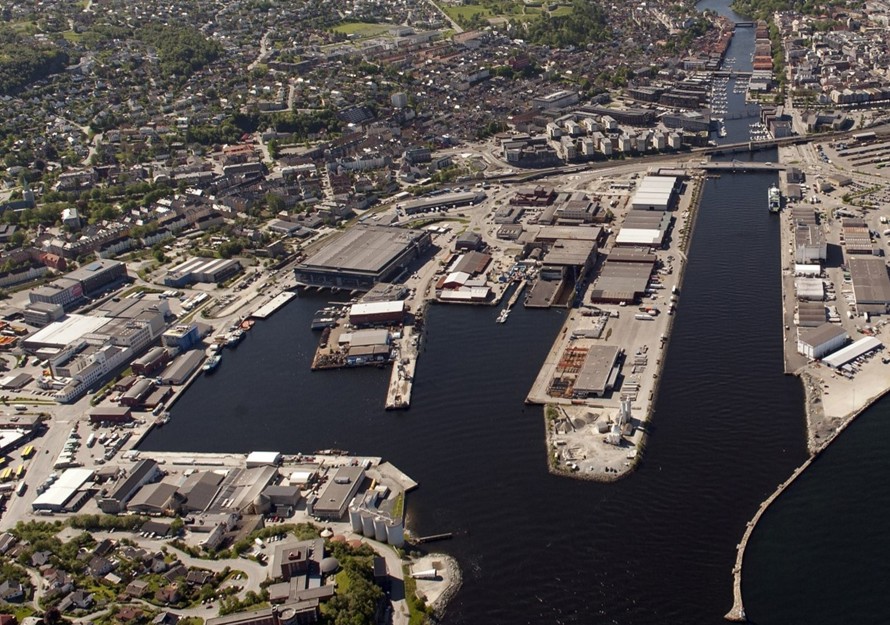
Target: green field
(361,29)
(563,10)
(465,11)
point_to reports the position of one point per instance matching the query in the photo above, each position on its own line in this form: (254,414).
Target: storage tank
(367,524)
(380,529)
(395,533)
(355,519)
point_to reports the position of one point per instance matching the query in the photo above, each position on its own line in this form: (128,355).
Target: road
(454,25)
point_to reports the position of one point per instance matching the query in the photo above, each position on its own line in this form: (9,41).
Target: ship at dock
(325,318)
(212,363)
(775,199)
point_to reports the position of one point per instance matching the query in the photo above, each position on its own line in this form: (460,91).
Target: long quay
(273,304)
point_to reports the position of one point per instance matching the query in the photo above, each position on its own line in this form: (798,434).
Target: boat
(233,338)
(325,318)
(212,363)
(502,318)
(247,324)
(775,199)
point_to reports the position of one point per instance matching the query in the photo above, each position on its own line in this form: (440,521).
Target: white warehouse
(656,193)
(814,343)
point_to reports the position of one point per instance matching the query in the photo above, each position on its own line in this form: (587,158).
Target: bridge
(736,166)
(744,24)
(732,73)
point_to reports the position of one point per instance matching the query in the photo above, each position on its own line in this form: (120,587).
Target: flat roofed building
(370,313)
(111,414)
(263,458)
(557,99)
(815,343)
(363,256)
(364,338)
(57,496)
(570,253)
(286,614)
(62,291)
(98,274)
(551,234)
(598,373)
(871,284)
(443,200)
(621,282)
(67,330)
(333,500)
(301,558)
(655,193)
(42,313)
(809,243)
(632,255)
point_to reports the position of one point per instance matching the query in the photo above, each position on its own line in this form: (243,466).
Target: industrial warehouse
(658,193)
(440,201)
(363,256)
(209,270)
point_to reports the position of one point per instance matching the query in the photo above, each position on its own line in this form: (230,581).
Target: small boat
(212,363)
(247,324)
(502,318)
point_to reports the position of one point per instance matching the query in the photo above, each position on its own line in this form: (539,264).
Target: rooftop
(364,248)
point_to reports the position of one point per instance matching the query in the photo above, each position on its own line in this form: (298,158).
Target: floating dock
(273,304)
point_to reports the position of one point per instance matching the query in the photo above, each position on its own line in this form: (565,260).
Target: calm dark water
(657,547)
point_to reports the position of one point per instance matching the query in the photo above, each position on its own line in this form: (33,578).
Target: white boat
(212,363)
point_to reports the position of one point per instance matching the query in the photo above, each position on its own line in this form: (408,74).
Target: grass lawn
(561,11)
(465,10)
(361,29)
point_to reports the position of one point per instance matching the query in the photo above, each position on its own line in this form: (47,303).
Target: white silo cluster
(368,520)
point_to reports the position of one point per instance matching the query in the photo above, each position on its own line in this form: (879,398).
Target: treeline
(764,9)
(587,23)
(300,125)
(182,50)
(24,60)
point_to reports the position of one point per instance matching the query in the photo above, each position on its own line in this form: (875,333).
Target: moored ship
(775,199)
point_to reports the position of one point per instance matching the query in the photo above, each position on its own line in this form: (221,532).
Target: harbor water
(656,547)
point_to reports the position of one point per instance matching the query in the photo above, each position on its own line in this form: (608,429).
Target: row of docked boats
(233,336)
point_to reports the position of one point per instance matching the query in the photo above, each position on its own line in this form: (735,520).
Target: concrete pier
(273,304)
(398,393)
